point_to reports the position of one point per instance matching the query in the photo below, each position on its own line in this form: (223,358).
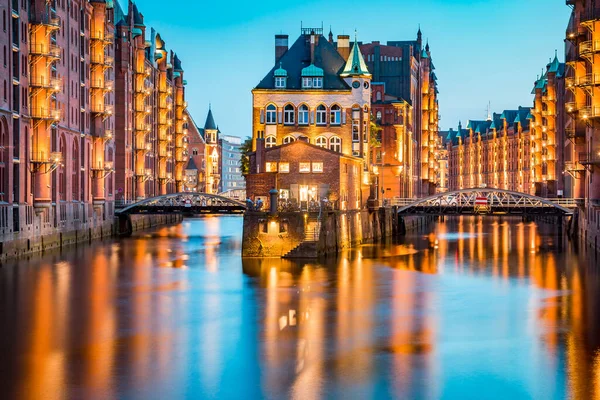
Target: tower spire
(489,111)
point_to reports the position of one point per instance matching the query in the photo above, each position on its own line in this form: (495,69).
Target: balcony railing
(101,108)
(572,107)
(43,82)
(589,112)
(45,50)
(590,15)
(43,113)
(589,80)
(589,158)
(50,21)
(101,59)
(589,46)
(105,37)
(102,84)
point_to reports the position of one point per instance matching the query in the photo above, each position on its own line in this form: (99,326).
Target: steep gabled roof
(298,57)
(191,164)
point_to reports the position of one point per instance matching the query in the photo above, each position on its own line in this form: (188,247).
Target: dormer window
(312,77)
(280,77)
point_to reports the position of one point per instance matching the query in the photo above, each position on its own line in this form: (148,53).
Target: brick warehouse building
(311,117)
(407,71)
(61,134)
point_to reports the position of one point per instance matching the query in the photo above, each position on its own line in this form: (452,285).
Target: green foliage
(246,149)
(375,133)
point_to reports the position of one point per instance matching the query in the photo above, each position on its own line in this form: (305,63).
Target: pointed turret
(555,64)
(330,35)
(210,121)
(191,165)
(355,66)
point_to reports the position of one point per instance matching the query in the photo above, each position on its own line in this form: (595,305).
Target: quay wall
(40,238)
(284,234)
(586,225)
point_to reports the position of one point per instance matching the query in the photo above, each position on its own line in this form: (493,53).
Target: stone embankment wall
(26,245)
(278,235)
(587,225)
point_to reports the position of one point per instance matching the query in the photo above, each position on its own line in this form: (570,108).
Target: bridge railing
(564,202)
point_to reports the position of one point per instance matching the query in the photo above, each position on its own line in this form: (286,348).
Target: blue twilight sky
(483,50)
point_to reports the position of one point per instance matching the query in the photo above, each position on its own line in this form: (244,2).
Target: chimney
(343,46)
(281,46)
(260,155)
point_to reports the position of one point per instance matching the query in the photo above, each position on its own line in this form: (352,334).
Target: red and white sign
(481,201)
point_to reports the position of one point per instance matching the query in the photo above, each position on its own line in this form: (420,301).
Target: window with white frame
(335,117)
(321,142)
(288,139)
(289,115)
(271,114)
(379,116)
(335,144)
(317,167)
(355,131)
(303,115)
(317,83)
(284,167)
(270,141)
(321,115)
(280,82)
(304,167)
(307,83)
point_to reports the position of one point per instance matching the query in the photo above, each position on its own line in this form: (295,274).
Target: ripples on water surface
(469,309)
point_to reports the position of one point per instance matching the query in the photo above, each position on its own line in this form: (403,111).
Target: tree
(375,133)
(245,150)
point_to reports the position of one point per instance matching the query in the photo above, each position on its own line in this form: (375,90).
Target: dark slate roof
(522,117)
(120,17)
(497,122)
(191,164)
(210,121)
(509,116)
(137,17)
(483,127)
(298,57)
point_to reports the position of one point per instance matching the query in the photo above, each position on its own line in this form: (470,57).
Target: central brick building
(311,116)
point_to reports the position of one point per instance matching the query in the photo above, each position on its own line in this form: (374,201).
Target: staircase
(308,248)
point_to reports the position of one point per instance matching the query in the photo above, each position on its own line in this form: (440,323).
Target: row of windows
(307,83)
(304,167)
(302,115)
(334,143)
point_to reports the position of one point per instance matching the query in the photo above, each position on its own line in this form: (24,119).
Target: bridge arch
(186,202)
(498,202)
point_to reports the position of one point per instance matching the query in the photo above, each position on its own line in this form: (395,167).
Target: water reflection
(472,307)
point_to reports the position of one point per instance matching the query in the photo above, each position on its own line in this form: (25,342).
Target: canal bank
(25,244)
(313,235)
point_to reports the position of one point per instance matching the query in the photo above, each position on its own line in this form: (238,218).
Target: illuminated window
(288,139)
(317,83)
(271,167)
(317,167)
(321,142)
(335,144)
(355,131)
(336,115)
(303,115)
(304,167)
(289,115)
(321,115)
(270,141)
(271,114)
(284,194)
(378,96)
(379,116)
(284,167)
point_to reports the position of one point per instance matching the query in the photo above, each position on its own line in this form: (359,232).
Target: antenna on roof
(489,111)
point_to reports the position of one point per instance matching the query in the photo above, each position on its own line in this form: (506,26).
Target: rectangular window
(284,194)
(304,167)
(317,83)
(317,167)
(280,83)
(271,167)
(355,131)
(307,83)
(284,168)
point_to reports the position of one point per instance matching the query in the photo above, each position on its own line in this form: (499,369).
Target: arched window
(289,115)
(335,115)
(270,141)
(378,96)
(194,152)
(271,114)
(321,115)
(303,115)
(288,139)
(62,179)
(335,144)
(3,164)
(321,142)
(75,171)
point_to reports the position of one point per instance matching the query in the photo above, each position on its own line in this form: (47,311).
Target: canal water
(470,308)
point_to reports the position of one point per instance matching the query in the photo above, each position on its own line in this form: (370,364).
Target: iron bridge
(184,203)
(487,202)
